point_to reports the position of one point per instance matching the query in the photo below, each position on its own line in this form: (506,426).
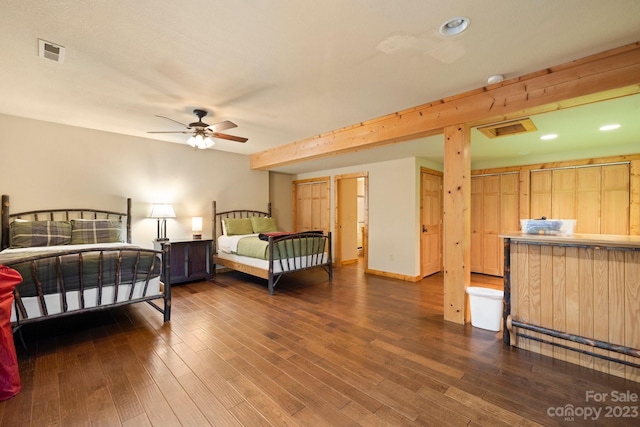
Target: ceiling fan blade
(202,128)
(229,137)
(175,121)
(217,127)
(171,131)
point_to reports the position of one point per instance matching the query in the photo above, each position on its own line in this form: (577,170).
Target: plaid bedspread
(60,271)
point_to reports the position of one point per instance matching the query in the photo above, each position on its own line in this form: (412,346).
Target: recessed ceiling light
(609,127)
(549,136)
(454,26)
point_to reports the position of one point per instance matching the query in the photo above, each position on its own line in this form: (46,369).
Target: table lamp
(161,212)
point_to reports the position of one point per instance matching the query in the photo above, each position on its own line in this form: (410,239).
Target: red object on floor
(9,374)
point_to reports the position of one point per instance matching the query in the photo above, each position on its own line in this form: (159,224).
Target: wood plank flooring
(364,350)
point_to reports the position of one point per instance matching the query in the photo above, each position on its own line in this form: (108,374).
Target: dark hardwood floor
(364,351)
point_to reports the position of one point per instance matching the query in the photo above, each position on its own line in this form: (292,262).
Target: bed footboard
(296,252)
(287,253)
(82,280)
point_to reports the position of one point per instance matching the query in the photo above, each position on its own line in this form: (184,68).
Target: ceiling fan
(202,134)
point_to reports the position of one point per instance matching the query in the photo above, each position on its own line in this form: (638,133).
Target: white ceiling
(285,70)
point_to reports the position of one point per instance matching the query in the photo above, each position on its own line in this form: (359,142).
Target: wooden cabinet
(190,260)
(494,210)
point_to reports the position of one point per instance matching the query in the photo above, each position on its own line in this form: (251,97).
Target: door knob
(424,229)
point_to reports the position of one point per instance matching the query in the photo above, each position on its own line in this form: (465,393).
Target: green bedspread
(253,247)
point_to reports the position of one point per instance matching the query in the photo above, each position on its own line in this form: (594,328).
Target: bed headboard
(60,215)
(238,213)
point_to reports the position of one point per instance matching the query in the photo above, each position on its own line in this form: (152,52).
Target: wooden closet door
(319,207)
(615,199)
(540,194)
(303,207)
(476,224)
(491,242)
(494,210)
(563,194)
(509,211)
(311,206)
(509,203)
(588,202)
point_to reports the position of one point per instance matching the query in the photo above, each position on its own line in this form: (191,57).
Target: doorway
(351,219)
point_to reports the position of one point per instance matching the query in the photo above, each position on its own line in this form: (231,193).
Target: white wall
(45,165)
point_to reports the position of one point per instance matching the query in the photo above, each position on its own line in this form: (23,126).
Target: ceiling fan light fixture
(192,141)
(200,142)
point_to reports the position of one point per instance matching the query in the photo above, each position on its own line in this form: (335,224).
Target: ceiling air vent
(52,51)
(512,127)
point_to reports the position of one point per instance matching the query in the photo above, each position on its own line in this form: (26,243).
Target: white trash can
(486,308)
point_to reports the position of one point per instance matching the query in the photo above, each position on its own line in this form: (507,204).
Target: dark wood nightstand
(190,260)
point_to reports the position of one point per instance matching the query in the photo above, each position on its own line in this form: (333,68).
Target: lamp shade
(162,210)
(196,223)
(196,227)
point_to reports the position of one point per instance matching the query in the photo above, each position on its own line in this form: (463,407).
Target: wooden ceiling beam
(606,75)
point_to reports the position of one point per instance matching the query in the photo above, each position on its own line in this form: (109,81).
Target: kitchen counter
(575,298)
(604,240)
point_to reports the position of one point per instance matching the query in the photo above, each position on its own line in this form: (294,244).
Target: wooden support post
(457,221)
